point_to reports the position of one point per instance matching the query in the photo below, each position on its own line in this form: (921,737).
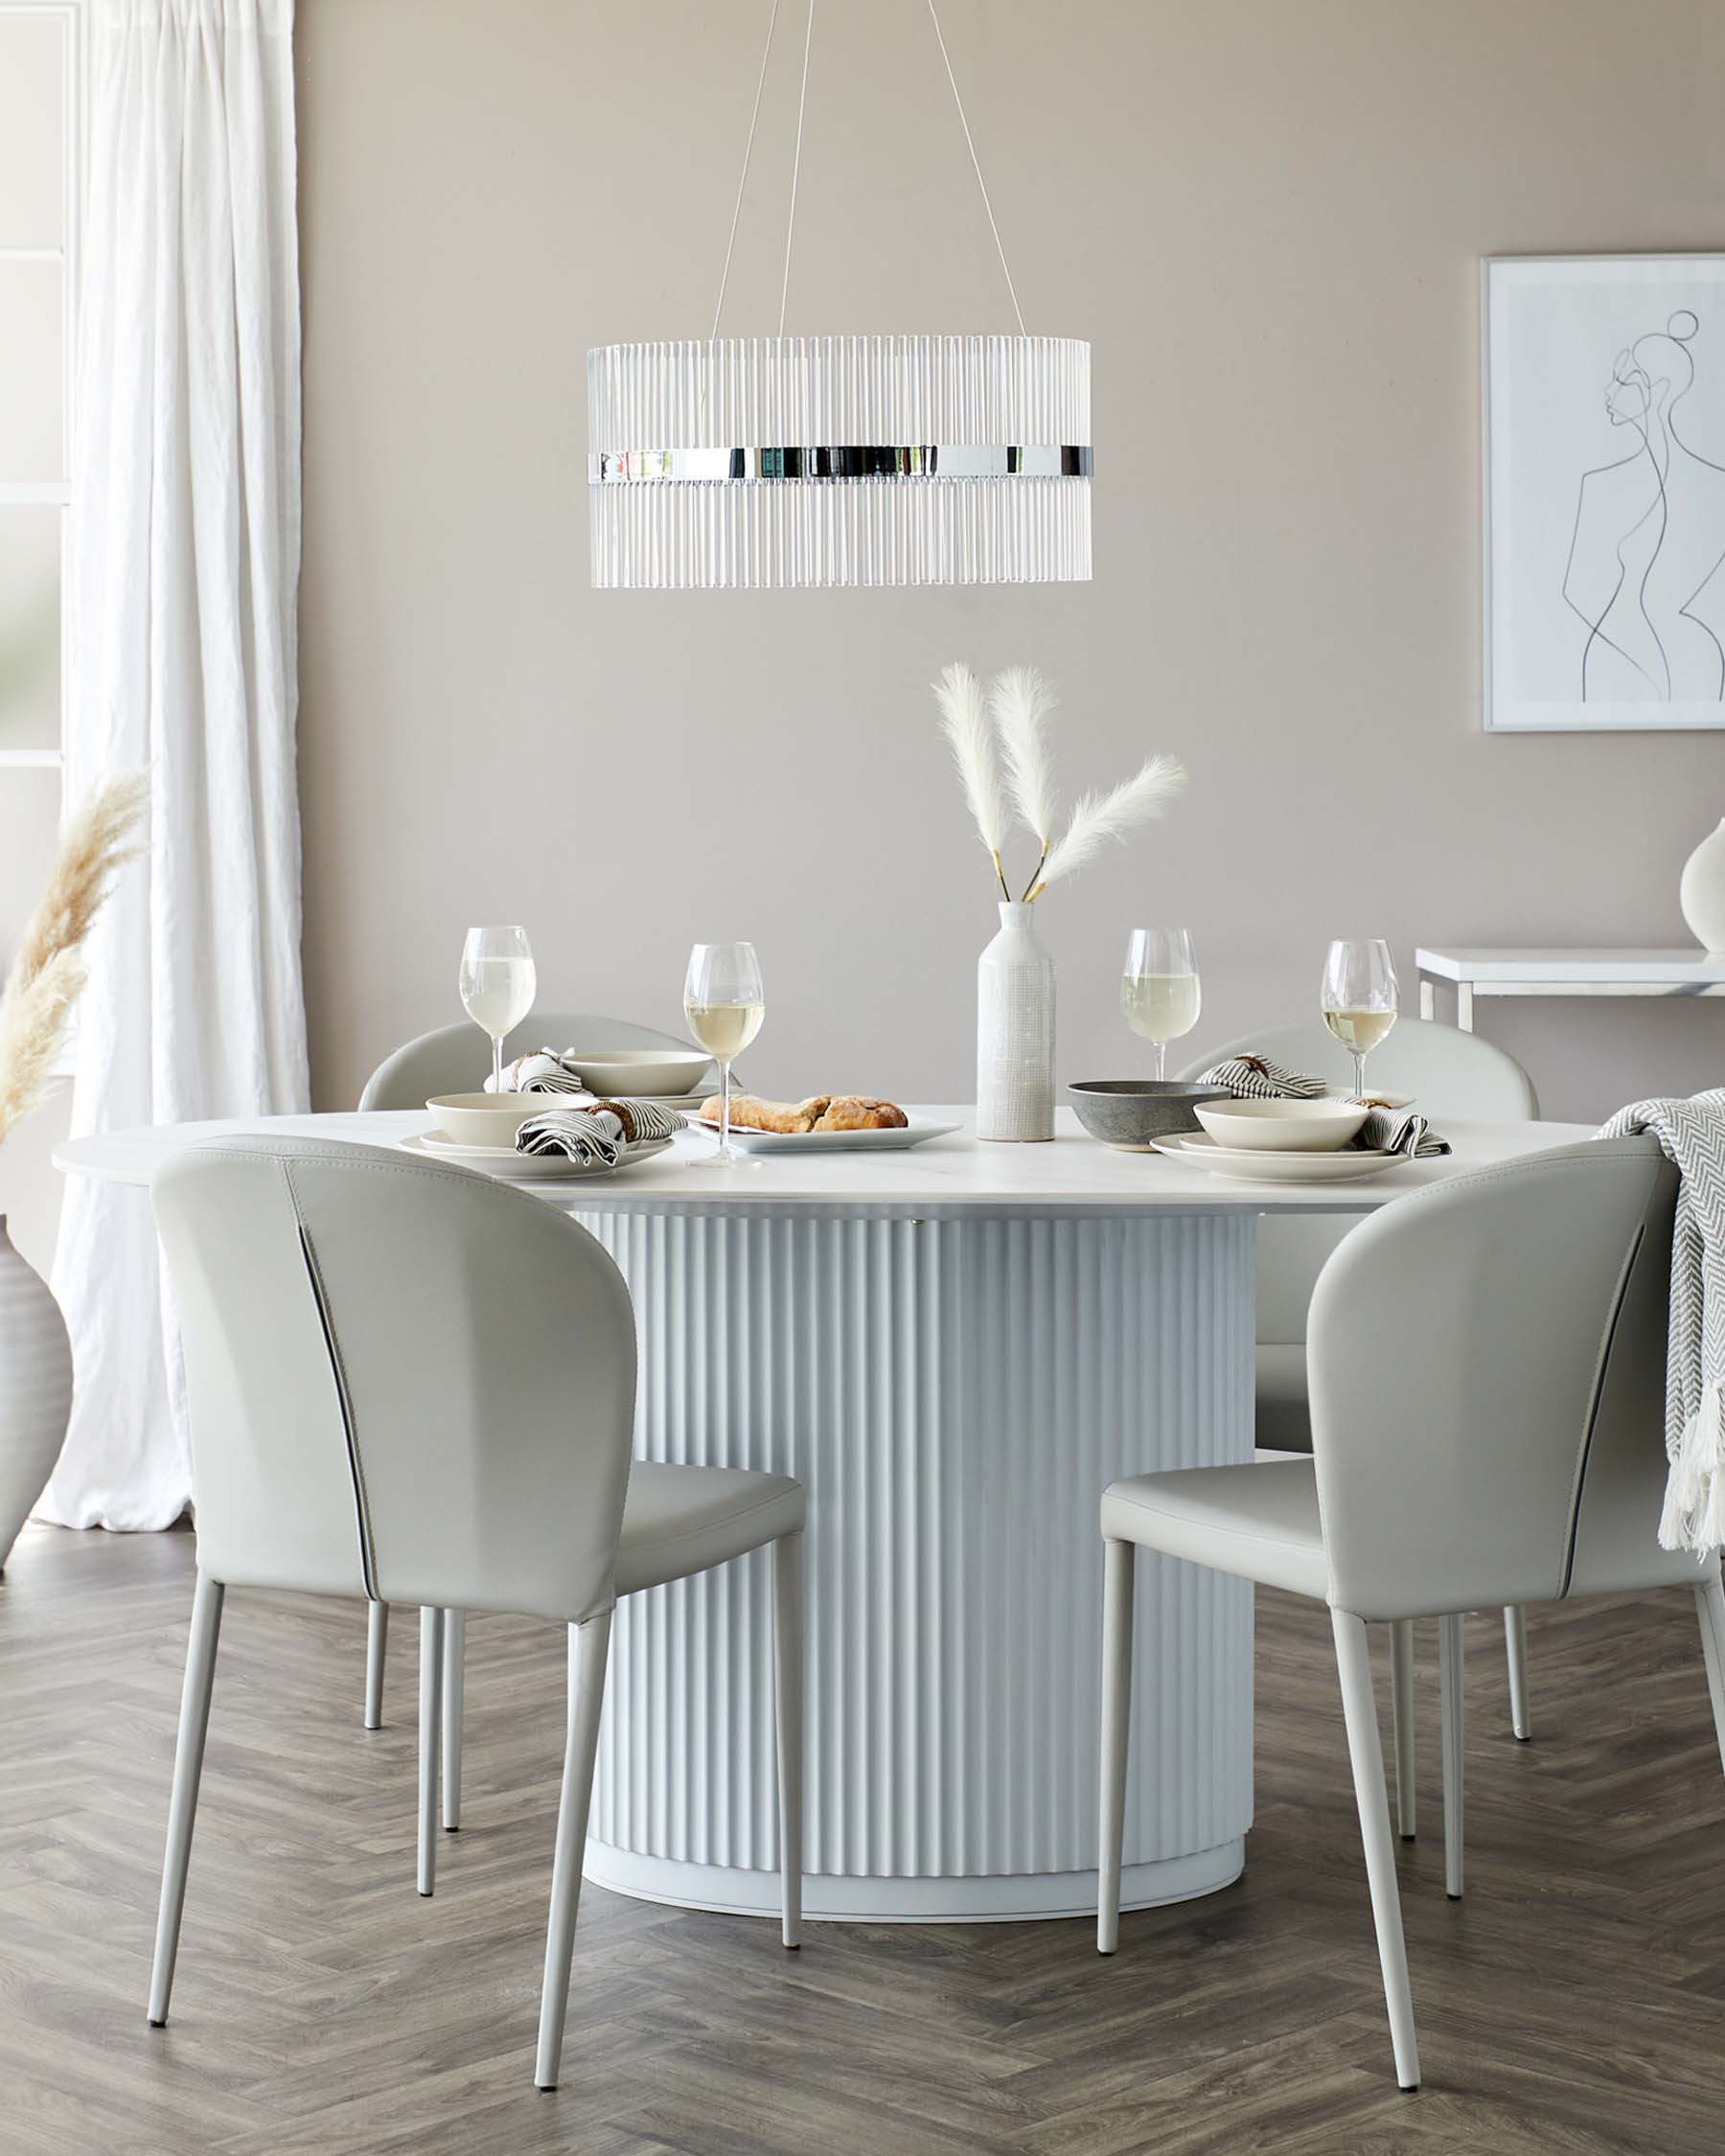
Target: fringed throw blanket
(1385,1130)
(1691,1135)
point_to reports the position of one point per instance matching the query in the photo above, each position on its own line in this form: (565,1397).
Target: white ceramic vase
(1015,1032)
(35,1389)
(1702,891)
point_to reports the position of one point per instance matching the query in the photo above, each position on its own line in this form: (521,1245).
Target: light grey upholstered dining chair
(1487,1361)
(1451,1073)
(407,1381)
(457,1058)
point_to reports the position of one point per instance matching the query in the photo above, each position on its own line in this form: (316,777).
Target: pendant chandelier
(779,462)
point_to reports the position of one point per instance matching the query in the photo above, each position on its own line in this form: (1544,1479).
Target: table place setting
(560,1115)
(1249,1118)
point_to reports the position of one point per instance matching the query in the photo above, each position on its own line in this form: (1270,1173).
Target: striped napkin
(1385,1130)
(599,1135)
(541,1070)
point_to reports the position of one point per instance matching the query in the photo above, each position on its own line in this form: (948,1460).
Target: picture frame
(1603,441)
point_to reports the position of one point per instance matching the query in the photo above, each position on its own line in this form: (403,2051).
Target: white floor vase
(1015,1032)
(35,1389)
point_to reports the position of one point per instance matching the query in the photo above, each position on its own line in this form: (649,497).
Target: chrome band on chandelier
(924,461)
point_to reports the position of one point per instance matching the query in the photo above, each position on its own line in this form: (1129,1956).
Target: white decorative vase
(1702,891)
(35,1389)
(1015,1032)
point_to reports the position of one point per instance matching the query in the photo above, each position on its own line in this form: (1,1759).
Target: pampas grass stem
(47,973)
(1020,703)
(964,722)
(1099,820)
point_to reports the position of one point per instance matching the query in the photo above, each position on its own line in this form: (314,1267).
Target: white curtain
(185,574)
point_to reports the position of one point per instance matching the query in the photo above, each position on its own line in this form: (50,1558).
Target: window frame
(58,493)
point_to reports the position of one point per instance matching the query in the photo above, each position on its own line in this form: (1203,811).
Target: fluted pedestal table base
(955,1392)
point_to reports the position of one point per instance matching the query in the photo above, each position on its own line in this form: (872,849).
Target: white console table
(1500,972)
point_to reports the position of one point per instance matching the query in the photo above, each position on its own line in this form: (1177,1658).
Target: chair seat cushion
(681,1520)
(1284,1407)
(1261,1522)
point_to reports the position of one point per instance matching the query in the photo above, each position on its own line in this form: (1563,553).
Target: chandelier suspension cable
(754,118)
(797,167)
(754,121)
(976,166)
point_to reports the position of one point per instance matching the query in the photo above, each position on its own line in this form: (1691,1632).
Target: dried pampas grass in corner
(47,974)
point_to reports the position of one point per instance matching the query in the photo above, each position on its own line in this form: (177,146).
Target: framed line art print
(1604,492)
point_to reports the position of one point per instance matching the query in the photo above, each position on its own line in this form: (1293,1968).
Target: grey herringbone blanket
(1691,1134)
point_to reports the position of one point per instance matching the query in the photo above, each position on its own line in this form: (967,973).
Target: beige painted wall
(1267,215)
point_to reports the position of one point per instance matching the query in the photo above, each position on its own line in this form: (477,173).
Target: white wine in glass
(1359,999)
(1160,991)
(497,986)
(725,1003)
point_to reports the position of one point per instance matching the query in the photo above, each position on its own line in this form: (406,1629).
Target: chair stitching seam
(725,1520)
(368,1561)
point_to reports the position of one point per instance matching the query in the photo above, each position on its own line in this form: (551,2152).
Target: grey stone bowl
(1131,1112)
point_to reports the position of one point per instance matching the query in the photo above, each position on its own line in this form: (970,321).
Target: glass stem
(497,1062)
(1359,1062)
(725,1144)
(1161,1058)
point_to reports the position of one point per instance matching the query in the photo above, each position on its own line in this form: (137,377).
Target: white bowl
(1282,1126)
(638,1073)
(483,1118)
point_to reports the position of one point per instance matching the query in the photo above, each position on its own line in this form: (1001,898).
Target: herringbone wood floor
(1574,2002)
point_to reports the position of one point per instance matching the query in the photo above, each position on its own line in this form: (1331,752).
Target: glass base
(724,1157)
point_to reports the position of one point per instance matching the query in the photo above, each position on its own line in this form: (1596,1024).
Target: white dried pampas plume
(47,974)
(1101,817)
(964,722)
(1020,703)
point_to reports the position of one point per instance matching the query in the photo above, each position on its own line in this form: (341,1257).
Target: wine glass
(1359,999)
(1158,987)
(724,1002)
(498,986)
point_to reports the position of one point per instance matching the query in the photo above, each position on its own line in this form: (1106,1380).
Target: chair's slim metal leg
(454,1707)
(1401,1716)
(1710,1608)
(1452,1667)
(1119,1561)
(589,1646)
(788,1700)
(187,1769)
(1353,1666)
(430,1677)
(1515,1640)
(377,1650)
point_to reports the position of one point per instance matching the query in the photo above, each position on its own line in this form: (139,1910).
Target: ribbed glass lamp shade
(775,462)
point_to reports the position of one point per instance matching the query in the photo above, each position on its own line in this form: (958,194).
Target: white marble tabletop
(1072,1174)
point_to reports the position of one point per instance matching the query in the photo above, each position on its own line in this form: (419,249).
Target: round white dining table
(954,1348)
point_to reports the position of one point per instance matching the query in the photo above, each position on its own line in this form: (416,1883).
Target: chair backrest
(405,1381)
(1488,1382)
(1452,1072)
(457,1058)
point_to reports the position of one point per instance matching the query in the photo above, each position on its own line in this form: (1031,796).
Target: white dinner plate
(916,1131)
(509,1166)
(1347,1166)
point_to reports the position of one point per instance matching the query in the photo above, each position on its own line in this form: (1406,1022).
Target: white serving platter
(1349,1165)
(916,1132)
(509,1167)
